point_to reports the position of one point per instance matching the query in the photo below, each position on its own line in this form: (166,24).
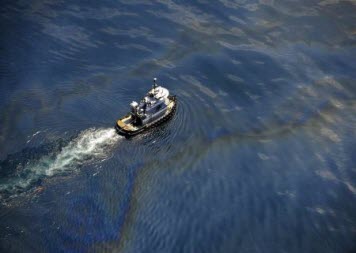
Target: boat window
(158,107)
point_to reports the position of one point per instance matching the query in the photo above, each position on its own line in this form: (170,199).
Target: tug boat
(155,108)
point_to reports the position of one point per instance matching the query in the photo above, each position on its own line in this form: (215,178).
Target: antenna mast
(154,84)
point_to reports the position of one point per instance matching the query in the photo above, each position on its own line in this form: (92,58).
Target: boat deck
(128,127)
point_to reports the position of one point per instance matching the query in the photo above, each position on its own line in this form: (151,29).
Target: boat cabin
(151,107)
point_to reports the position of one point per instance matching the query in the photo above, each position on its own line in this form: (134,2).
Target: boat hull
(124,131)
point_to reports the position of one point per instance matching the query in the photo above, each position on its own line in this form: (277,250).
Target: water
(259,157)
(91,144)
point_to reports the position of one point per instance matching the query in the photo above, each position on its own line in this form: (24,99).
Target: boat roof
(159,92)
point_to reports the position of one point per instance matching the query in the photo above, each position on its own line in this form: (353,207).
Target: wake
(89,146)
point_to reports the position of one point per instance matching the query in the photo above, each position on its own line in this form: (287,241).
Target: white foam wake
(88,146)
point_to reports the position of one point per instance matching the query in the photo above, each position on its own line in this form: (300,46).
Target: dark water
(260,156)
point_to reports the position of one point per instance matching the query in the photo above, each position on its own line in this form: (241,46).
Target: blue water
(259,157)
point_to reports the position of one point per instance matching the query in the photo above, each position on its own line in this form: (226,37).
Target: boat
(155,108)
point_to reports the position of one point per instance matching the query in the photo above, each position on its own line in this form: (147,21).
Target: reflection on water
(258,158)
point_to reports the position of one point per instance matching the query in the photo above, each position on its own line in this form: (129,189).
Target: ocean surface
(259,157)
